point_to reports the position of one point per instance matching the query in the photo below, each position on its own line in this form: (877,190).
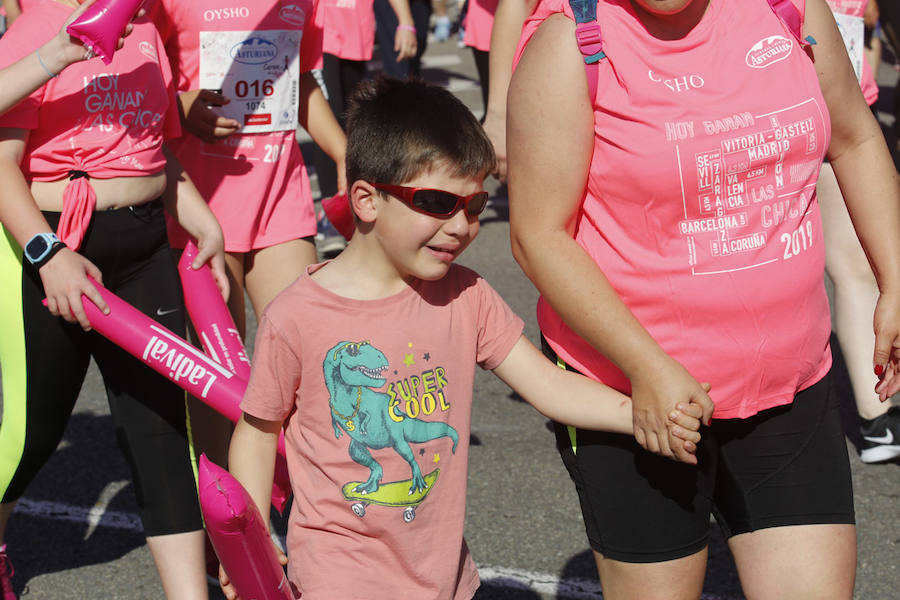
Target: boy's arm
(562,395)
(574,399)
(251,458)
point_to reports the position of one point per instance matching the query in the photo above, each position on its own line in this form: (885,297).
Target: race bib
(853,32)
(259,71)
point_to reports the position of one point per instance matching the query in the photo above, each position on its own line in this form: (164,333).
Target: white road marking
(60,511)
(520,579)
(96,512)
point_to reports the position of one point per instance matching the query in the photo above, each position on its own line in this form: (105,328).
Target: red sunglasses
(436,203)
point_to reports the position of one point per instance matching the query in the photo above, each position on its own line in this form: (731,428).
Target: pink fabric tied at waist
(79,200)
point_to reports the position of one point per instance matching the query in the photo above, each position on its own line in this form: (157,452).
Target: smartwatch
(41,248)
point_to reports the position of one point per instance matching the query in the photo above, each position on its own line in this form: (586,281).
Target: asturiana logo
(149,51)
(768,51)
(254,51)
(293,14)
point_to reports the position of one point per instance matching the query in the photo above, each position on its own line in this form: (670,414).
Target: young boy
(368,362)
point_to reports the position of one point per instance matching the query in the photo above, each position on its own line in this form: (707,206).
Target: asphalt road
(76,534)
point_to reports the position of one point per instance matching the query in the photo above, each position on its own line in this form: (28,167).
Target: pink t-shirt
(479,22)
(109,121)
(105,120)
(245,175)
(700,205)
(856,8)
(377,384)
(349,27)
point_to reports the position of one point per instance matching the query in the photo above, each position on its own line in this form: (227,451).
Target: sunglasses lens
(436,202)
(477,203)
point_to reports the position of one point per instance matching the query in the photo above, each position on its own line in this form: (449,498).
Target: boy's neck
(360,272)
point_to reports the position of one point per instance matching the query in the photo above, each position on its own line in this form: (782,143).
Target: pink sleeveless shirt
(700,206)
(348,28)
(479,23)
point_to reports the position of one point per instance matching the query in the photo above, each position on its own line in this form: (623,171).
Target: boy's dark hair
(397,130)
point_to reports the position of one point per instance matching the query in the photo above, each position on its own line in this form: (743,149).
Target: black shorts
(784,466)
(44,360)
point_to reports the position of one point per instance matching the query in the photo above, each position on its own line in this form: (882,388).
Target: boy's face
(421,246)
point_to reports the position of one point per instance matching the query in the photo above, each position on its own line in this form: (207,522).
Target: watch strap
(54,249)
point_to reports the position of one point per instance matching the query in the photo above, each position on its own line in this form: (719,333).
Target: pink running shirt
(479,22)
(108,121)
(256,184)
(349,28)
(378,382)
(700,205)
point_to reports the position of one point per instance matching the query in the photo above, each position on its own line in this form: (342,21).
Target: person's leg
(679,579)
(784,499)
(855,296)
(352,72)
(179,559)
(385,28)
(234,266)
(646,517)
(326,172)
(855,293)
(442,24)
(270,270)
(812,562)
(149,412)
(421,13)
(482,63)
(43,362)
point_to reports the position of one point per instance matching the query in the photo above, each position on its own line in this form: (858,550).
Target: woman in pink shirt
(86,176)
(670,221)
(855,288)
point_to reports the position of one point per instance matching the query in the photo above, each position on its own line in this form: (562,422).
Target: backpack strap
(590,41)
(790,15)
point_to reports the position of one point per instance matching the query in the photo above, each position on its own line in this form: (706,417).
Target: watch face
(36,247)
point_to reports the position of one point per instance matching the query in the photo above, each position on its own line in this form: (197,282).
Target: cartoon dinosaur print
(351,369)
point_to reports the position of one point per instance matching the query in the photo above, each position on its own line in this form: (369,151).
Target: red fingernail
(879,370)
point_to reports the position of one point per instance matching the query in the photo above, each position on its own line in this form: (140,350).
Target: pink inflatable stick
(166,353)
(172,357)
(238,534)
(210,316)
(101,25)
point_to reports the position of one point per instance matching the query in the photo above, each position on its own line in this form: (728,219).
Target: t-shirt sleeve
(275,376)
(499,328)
(311,43)
(21,40)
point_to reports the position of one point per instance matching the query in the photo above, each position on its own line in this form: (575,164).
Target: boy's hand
(685,420)
(654,392)
(229,590)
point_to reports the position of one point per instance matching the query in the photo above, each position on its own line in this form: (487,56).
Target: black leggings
(44,361)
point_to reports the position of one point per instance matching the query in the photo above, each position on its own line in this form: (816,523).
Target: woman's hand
(62,50)
(211,249)
(65,279)
(655,393)
(887,344)
(405,44)
(199,119)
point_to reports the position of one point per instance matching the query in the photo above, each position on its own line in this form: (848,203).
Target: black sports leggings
(44,361)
